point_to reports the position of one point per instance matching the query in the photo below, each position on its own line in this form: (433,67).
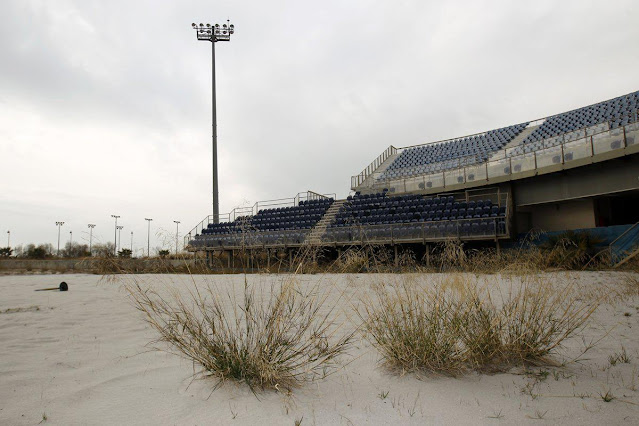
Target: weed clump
(278,337)
(455,326)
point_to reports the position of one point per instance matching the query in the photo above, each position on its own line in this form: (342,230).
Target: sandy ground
(80,358)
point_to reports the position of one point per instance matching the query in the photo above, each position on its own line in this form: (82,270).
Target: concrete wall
(562,216)
(78,265)
(607,177)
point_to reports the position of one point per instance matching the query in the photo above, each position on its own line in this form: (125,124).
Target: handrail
(372,166)
(463,171)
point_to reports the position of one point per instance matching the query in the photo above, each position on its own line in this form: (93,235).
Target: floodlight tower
(119,228)
(115,238)
(148,238)
(8,239)
(214,33)
(90,226)
(177,232)
(59,224)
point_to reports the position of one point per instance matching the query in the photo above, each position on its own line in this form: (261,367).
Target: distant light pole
(177,230)
(115,244)
(71,238)
(59,224)
(8,239)
(90,226)
(148,238)
(214,34)
(131,243)
(119,229)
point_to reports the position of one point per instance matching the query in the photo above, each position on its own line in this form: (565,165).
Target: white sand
(80,358)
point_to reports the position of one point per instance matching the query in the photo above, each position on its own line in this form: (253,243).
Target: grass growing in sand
(457,326)
(277,337)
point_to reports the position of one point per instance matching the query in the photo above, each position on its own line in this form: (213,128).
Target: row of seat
(304,216)
(618,112)
(250,239)
(382,209)
(450,154)
(466,228)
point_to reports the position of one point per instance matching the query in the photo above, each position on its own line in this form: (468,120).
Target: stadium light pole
(90,226)
(8,239)
(148,238)
(59,224)
(177,230)
(115,243)
(70,238)
(213,34)
(131,243)
(119,228)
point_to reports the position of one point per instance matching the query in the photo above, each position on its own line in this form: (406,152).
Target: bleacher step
(315,236)
(523,135)
(378,171)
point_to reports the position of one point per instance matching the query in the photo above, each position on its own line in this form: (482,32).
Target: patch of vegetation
(455,326)
(277,337)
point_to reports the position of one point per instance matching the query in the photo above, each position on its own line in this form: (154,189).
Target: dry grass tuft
(456,326)
(277,337)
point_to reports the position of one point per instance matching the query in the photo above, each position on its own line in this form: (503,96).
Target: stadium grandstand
(574,170)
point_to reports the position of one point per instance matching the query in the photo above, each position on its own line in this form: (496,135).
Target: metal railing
(558,150)
(360,178)
(624,245)
(240,212)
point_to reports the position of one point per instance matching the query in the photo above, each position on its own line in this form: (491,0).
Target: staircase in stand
(315,236)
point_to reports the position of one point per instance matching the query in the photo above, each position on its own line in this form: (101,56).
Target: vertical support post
(396,258)
(216,205)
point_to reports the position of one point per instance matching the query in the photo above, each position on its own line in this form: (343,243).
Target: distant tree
(6,251)
(38,252)
(163,253)
(124,253)
(103,250)
(75,250)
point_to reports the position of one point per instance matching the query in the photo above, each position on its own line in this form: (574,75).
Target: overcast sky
(105,106)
